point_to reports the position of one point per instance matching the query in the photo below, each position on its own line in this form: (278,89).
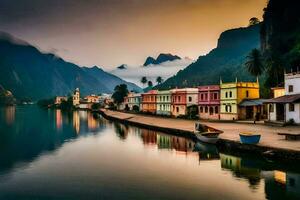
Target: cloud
(165,70)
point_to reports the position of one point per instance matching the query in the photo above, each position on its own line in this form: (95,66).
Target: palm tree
(144,80)
(254,63)
(150,84)
(159,80)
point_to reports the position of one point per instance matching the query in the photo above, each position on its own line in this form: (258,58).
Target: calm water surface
(46,154)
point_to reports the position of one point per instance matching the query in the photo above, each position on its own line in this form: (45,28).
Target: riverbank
(271,145)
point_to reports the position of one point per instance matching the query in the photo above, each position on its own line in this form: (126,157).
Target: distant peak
(162,57)
(123,66)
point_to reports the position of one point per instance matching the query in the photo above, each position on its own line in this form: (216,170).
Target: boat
(206,134)
(249,138)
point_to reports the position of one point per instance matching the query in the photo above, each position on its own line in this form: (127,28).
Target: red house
(209,102)
(149,101)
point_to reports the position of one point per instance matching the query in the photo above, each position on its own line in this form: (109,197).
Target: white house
(287,107)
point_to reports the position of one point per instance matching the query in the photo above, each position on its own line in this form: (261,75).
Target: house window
(206,96)
(201,109)
(271,108)
(228,108)
(201,96)
(291,107)
(206,109)
(291,88)
(190,99)
(226,94)
(211,110)
(216,109)
(247,93)
(215,96)
(230,94)
(177,109)
(179,98)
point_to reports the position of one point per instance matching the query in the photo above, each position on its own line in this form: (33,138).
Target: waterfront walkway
(269,137)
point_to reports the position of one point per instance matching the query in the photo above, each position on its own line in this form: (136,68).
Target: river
(48,154)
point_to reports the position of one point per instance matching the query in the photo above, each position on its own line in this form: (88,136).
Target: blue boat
(249,138)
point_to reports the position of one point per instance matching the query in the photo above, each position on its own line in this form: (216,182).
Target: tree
(150,84)
(159,80)
(254,63)
(253,21)
(120,92)
(144,80)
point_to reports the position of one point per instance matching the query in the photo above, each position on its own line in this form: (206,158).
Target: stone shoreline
(228,141)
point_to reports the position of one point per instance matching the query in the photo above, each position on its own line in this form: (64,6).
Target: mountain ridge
(162,57)
(29,73)
(226,60)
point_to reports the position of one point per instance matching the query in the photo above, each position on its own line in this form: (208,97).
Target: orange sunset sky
(109,33)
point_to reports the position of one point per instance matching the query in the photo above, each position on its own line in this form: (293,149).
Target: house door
(249,112)
(279,112)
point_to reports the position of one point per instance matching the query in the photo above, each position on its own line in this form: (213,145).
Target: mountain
(29,73)
(163,57)
(105,77)
(226,60)
(124,66)
(280,39)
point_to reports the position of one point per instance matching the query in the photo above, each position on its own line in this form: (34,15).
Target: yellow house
(278,92)
(232,94)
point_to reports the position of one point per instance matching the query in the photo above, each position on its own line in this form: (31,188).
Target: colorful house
(149,101)
(59,99)
(232,94)
(133,101)
(209,102)
(76,97)
(287,107)
(163,101)
(277,92)
(92,98)
(182,99)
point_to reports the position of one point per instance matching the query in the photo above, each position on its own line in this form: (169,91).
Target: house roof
(294,98)
(252,102)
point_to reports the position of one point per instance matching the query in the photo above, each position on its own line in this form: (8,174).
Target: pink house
(209,102)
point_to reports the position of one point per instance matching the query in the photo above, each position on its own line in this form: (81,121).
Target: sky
(108,33)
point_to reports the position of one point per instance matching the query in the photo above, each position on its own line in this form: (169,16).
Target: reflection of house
(232,94)
(240,169)
(149,101)
(149,136)
(182,99)
(287,107)
(282,185)
(59,99)
(163,106)
(209,102)
(133,101)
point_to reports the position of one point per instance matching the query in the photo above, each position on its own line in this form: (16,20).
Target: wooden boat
(206,134)
(249,138)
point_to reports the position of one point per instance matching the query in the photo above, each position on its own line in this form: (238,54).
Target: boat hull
(249,139)
(206,139)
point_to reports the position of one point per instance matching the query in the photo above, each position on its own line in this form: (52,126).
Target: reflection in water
(241,169)
(76,121)
(123,162)
(58,119)
(10,112)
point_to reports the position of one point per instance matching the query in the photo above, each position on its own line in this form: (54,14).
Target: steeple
(221,80)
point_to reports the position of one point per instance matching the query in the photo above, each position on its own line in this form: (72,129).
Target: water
(47,154)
